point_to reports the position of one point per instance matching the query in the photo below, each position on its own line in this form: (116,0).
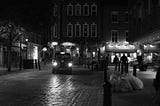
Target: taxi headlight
(55,63)
(69,64)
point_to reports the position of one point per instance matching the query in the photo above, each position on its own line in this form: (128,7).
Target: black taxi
(62,63)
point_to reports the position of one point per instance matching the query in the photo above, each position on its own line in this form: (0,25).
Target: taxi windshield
(62,56)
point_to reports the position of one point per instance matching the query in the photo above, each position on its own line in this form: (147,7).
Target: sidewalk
(4,71)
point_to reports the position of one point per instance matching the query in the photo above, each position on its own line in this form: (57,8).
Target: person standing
(124,63)
(116,62)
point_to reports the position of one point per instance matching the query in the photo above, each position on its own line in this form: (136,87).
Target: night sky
(31,13)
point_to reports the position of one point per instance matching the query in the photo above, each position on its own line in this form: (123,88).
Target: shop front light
(70,64)
(55,63)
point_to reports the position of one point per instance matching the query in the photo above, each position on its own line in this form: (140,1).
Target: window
(54,31)
(77,30)
(70,10)
(55,8)
(94,30)
(85,30)
(126,17)
(114,16)
(126,35)
(69,30)
(78,10)
(114,35)
(94,9)
(86,10)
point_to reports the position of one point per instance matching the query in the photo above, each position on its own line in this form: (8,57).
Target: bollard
(39,66)
(119,66)
(107,101)
(134,70)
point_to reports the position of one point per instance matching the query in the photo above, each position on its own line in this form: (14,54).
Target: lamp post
(107,101)
(44,50)
(20,54)
(26,48)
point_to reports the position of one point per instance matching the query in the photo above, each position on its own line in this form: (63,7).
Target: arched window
(94,9)
(55,10)
(94,30)
(85,30)
(86,9)
(70,10)
(69,30)
(77,29)
(78,10)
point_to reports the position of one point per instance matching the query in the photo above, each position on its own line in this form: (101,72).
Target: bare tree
(11,33)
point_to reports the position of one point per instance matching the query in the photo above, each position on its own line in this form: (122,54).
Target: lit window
(126,17)
(69,30)
(55,8)
(94,9)
(86,10)
(126,35)
(114,35)
(114,16)
(77,30)
(70,10)
(78,10)
(94,30)
(85,30)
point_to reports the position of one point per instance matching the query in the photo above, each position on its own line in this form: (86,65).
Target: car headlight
(69,64)
(55,63)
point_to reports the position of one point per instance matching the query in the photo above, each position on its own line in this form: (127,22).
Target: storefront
(148,52)
(121,48)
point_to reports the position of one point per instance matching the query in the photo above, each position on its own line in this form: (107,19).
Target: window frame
(87,27)
(77,12)
(113,15)
(69,25)
(114,35)
(92,11)
(126,17)
(69,6)
(55,31)
(85,5)
(77,24)
(95,31)
(55,10)
(127,35)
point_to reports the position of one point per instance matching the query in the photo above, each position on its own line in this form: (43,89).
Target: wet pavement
(82,88)
(42,88)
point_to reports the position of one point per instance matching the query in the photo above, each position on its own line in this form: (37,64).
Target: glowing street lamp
(44,49)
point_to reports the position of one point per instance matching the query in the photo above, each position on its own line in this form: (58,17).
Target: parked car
(62,63)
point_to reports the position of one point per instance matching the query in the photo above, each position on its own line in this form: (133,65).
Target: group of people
(122,62)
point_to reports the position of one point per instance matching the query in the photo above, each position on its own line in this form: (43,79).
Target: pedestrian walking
(124,64)
(156,85)
(116,62)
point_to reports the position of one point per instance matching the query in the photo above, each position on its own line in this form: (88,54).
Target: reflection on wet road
(45,89)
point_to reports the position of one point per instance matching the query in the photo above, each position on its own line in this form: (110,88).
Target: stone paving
(90,93)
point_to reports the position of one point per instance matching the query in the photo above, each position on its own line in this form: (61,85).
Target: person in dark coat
(116,62)
(124,63)
(156,85)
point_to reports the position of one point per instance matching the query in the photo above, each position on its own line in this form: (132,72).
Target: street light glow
(44,49)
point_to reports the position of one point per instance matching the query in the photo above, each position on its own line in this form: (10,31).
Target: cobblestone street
(41,88)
